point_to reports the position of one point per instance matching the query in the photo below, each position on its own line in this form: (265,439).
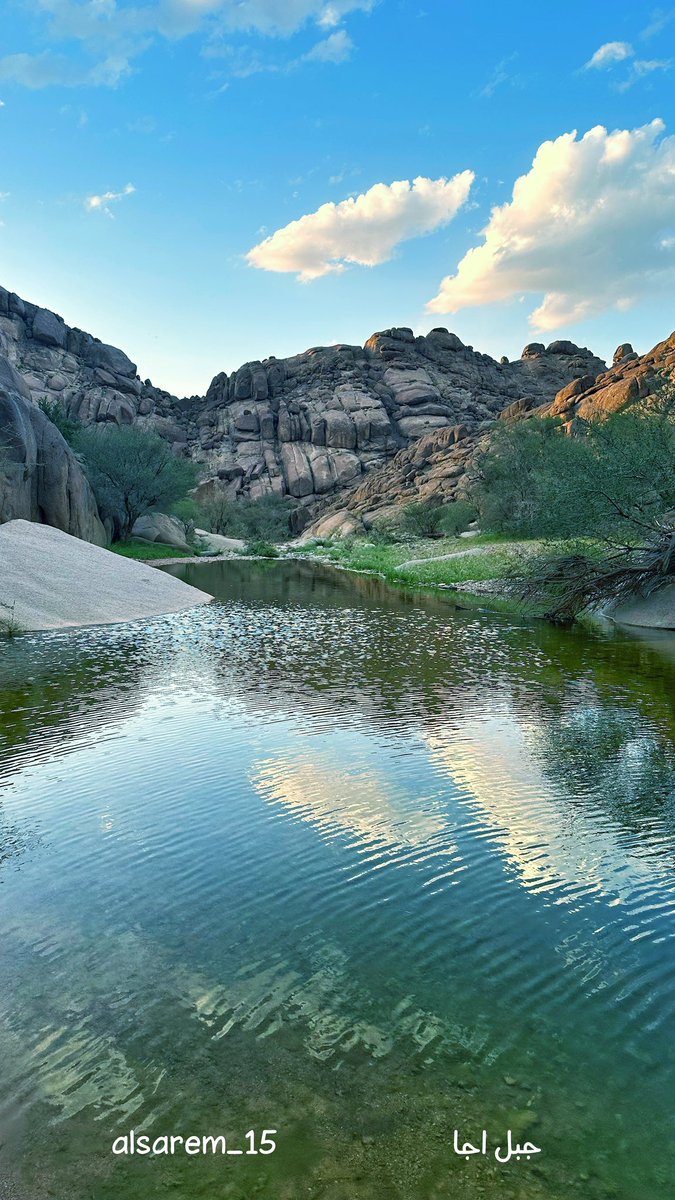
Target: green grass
(148,550)
(358,554)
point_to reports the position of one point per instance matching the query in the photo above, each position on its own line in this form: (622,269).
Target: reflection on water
(346,862)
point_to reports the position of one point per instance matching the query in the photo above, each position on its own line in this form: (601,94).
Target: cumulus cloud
(609,54)
(102,203)
(364,229)
(110,35)
(588,226)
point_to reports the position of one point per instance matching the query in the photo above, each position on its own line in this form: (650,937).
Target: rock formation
(630,379)
(311,426)
(40,478)
(434,467)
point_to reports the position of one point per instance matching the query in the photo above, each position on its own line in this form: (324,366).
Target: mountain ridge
(312,426)
(436,467)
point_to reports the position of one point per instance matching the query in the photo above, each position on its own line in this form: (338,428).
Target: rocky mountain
(434,468)
(311,426)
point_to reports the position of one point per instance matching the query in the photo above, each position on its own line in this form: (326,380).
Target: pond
(347,863)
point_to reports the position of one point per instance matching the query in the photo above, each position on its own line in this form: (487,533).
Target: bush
(385,533)
(456,517)
(423,519)
(132,472)
(267,519)
(68,427)
(9,626)
(261,549)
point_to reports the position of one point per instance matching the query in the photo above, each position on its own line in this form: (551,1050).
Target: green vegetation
(432,520)
(261,549)
(9,626)
(569,522)
(612,479)
(441,562)
(132,472)
(147,550)
(69,427)
(267,519)
(608,492)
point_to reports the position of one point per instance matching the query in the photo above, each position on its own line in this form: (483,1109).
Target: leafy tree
(612,480)
(132,472)
(608,493)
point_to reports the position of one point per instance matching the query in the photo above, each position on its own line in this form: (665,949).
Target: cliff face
(40,478)
(434,468)
(310,426)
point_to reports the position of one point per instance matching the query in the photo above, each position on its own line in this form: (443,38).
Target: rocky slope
(40,478)
(434,468)
(309,426)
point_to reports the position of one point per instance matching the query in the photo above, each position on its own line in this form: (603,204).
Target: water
(346,863)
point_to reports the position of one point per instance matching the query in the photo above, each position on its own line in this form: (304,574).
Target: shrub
(612,479)
(261,549)
(456,517)
(423,519)
(68,427)
(266,519)
(9,626)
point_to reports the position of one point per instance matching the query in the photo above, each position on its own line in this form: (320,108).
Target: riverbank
(482,562)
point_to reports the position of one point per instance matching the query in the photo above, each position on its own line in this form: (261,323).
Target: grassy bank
(423,561)
(145,551)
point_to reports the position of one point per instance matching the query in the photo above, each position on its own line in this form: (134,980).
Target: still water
(346,863)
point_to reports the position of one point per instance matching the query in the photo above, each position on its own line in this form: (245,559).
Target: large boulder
(656,611)
(50,580)
(40,477)
(159,527)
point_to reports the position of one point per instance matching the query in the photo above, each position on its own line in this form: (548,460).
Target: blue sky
(146,148)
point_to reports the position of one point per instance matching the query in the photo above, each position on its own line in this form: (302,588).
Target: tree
(608,492)
(613,479)
(132,472)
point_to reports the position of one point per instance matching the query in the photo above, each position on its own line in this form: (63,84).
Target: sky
(209,182)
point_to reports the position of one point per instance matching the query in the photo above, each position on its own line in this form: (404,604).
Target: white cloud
(102,203)
(111,36)
(659,21)
(39,70)
(609,54)
(501,75)
(364,229)
(333,49)
(641,67)
(585,227)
